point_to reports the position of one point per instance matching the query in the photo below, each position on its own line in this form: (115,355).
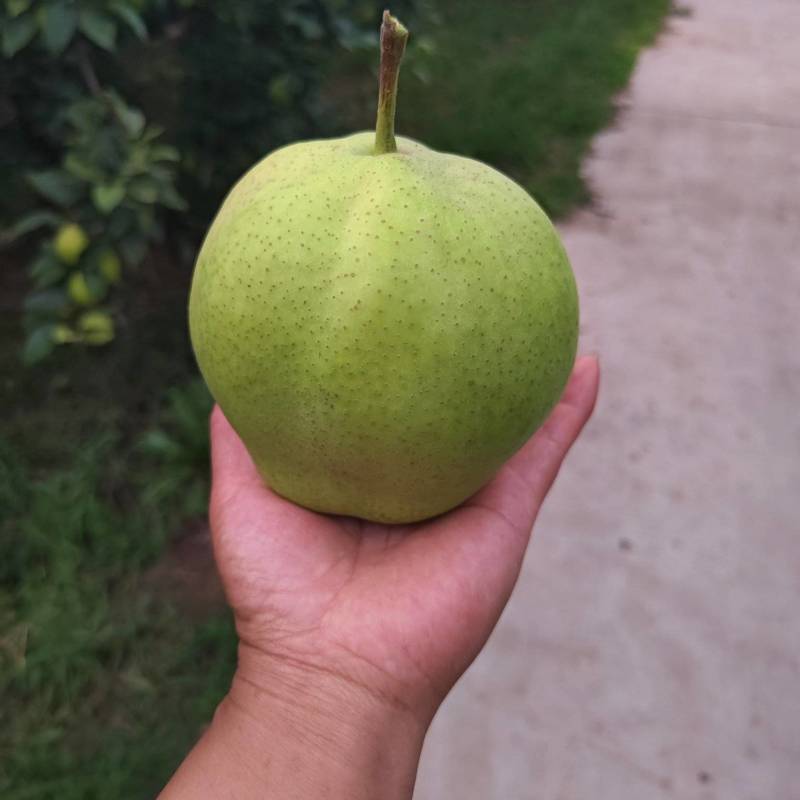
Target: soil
(186,574)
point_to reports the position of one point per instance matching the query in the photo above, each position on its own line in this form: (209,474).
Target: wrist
(301,689)
(292,731)
(332,732)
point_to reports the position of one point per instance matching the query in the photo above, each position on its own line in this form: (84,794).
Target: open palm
(396,611)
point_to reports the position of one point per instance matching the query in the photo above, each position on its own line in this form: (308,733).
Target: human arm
(352,633)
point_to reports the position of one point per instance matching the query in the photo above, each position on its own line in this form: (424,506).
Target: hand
(343,619)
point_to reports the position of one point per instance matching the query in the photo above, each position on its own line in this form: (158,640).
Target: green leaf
(98,27)
(81,169)
(158,443)
(49,303)
(133,121)
(17,32)
(58,26)
(46,269)
(145,190)
(164,152)
(131,118)
(152,132)
(171,199)
(131,18)
(16,7)
(56,185)
(28,223)
(38,345)
(161,173)
(87,113)
(107,197)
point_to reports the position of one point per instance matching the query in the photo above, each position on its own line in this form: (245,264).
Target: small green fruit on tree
(96,327)
(70,242)
(104,176)
(110,266)
(79,290)
(384,325)
(63,334)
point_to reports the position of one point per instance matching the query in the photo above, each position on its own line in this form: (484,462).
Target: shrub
(84,84)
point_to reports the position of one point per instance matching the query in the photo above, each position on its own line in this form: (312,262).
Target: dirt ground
(652,647)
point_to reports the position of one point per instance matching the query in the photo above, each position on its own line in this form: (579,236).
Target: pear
(79,290)
(70,242)
(383,324)
(96,327)
(110,266)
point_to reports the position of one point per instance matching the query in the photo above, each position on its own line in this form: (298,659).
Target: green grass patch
(105,681)
(104,684)
(525,85)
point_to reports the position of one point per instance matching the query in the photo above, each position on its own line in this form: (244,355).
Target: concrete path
(652,647)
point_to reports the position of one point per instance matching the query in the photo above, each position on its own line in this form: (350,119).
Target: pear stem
(393,45)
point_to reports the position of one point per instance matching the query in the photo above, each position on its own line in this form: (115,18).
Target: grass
(105,680)
(103,685)
(546,74)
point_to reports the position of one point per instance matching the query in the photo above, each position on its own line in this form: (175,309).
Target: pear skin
(382,330)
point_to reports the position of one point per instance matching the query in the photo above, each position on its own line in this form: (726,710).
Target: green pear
(96,327)
(80,291)
(70,242)
(383,324)
(110,266)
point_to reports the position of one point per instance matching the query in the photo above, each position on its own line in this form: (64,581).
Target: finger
(490,531)
(476,551)
(230,461)
(522,484)
(540,459)
(232,469)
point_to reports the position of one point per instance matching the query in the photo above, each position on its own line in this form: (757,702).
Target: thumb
(232,469)
(520,487)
